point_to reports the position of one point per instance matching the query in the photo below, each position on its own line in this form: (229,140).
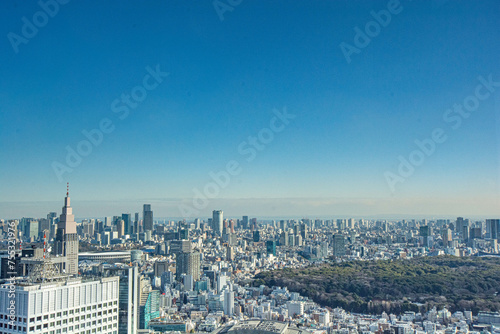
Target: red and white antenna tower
(44,244)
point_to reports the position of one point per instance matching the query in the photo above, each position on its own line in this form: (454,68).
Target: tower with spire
(66,243)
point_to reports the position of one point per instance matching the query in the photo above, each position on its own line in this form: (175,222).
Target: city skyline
(101,210)
(301,108)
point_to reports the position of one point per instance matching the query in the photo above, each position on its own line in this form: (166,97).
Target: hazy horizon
(234,208)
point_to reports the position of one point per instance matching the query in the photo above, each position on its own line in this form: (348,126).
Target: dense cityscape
(250,167)
(134,274)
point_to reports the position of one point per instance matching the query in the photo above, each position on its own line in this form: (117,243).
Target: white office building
(228,303)
(70,305)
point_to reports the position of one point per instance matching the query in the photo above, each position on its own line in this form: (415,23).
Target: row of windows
(94,315)
(103,330)
(59,323)
(71,329)
(71,313)
(15,319)
(75,311)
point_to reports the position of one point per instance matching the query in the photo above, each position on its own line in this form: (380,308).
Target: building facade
(67,306)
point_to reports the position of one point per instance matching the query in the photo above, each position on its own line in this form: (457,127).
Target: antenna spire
(67,189)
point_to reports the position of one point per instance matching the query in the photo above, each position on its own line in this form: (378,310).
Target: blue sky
(352,120)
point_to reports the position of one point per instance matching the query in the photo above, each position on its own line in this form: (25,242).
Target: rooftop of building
(259,327)
(115,253)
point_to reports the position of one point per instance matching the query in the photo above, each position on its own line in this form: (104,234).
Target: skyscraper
(493,226)
(66,243)
(446,235)
(425,233)
(217,221)
(338,245)
(229,303)
(127,218)
(147,218)
(459,225)
(136,224)
(188,263)
(128,296)
(271,247)
(244,223)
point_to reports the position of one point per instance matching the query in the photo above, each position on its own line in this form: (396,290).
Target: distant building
(493,228)
(271,247)
(128,225)
(180,246)
(256,236)
(147,218)
(338,245)
(244,222)
(490,318)
(295,308)
(188,263)
(217,221)
(425,233)
(446,235)
(230,253)
(229,303)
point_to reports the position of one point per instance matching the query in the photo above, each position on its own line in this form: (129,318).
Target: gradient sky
(352,120)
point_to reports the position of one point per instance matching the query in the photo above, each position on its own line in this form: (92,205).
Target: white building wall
(62,307)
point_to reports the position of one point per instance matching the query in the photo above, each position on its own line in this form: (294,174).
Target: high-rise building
(147,218)
(128,296)
(229,303)
(284,238)
(127,219)
(64,306)
(32,230)
(120,227)
(149,304)
(493,226)
(446,237)
(338,245)
(180,246)
(271,247)
(244,223)
(476,233)
(425,233)
(459,225)
(136,229)
(217,221)
(256,236)
(160,267)
(466,233)
(188,263)
(230,253)
(66,243)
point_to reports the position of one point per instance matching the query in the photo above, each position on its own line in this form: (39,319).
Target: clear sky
(355,112)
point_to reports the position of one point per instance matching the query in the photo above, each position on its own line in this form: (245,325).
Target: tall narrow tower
(66,243)
(147,218)
(217,221)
